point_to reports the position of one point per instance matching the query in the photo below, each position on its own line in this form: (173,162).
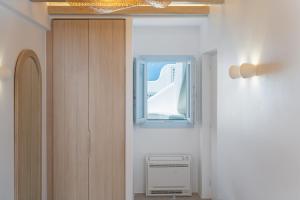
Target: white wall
(258,140)
(17,33)
(168,40)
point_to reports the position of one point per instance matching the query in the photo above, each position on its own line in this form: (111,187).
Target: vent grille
(167,192)
(168,165)
(168,175)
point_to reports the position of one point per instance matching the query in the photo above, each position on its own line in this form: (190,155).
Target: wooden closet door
(107,109)
(70,110)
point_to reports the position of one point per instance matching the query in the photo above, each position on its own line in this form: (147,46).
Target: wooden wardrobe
(86,102)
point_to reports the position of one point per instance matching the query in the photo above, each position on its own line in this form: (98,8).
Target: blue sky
(154,70)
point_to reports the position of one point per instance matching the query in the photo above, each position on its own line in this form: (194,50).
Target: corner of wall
(36,13)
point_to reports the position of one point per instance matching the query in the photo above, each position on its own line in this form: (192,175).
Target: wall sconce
(248,70)
(234,72)
(5,73)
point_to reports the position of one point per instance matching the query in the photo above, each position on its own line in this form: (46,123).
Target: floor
(143,197)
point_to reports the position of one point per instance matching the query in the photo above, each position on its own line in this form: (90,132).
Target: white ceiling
(169,21)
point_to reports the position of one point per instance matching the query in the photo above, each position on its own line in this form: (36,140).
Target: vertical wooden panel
(36,136)
(107,109)
(70,105)
(28,132)
(118,111)
(49,128)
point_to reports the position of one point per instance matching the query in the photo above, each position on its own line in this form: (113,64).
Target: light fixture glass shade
(234,72)
(248,70)
(159,3)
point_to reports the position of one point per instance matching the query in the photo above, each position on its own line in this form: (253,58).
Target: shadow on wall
(264,69)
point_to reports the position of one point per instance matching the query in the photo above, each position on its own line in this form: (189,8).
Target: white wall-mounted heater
(168,175)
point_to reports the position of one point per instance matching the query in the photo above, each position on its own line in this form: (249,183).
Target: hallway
(114,99)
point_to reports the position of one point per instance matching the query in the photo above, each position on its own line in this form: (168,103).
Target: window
(163,91)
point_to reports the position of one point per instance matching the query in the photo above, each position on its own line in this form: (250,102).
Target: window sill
(165,124)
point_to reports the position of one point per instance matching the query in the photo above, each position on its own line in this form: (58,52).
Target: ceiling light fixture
(110,6)
(107,10)
(159,3)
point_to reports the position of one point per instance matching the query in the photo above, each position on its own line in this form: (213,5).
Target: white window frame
(140,93)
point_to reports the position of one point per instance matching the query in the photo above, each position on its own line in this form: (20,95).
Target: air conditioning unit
(168,175)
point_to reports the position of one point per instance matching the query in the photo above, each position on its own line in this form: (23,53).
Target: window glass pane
(167,90)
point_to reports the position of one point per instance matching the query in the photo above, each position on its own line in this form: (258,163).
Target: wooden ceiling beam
(143,10)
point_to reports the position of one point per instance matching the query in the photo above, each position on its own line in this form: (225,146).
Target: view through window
(167,91)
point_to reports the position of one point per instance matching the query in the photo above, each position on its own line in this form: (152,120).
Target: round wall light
(248,70)
(234,72)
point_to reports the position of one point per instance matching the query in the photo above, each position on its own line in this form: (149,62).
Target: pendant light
(110,6)
(159,3)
